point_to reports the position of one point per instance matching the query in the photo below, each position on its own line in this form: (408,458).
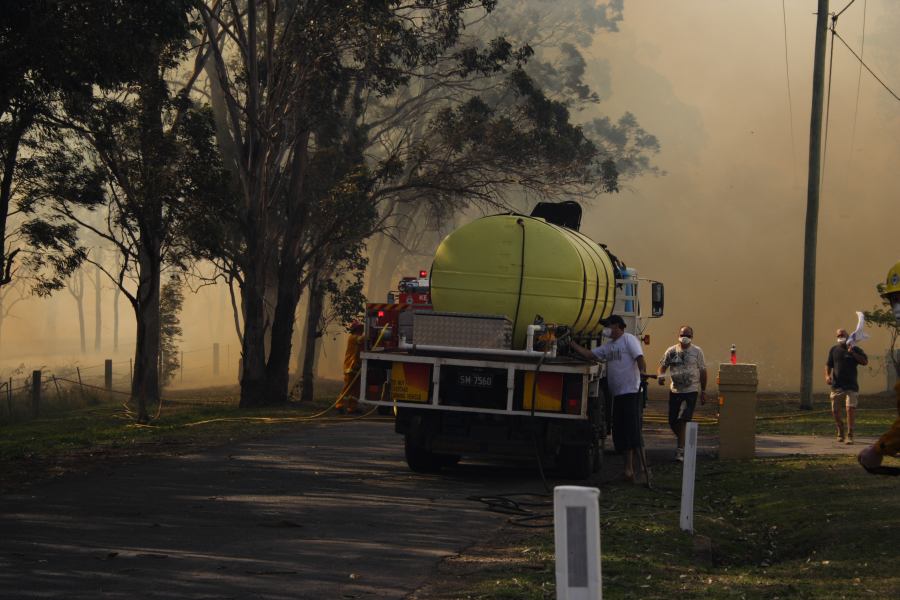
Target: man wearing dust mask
(687,368)
(841,375)
(889,443)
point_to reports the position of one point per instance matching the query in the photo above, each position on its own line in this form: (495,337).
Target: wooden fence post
(216,359)
(35,392)
(107,374)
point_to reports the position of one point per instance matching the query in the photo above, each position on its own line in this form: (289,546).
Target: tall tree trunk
(270,302)
(287,280)
(81,333)
(299,334)
(145,384)
(17,126)
(153,185)
(311,337)
(253,350)
(116,295)
(76,288)
(98,309)
(278,365)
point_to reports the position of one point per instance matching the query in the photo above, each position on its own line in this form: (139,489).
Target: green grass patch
(781,414)
(69,438)
(771,528)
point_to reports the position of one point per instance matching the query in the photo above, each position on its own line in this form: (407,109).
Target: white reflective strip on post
(687,478)
(576,524)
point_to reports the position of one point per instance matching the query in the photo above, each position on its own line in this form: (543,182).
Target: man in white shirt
(625,365)
(687,369)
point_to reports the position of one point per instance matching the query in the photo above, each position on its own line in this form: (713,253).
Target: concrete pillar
(737,410)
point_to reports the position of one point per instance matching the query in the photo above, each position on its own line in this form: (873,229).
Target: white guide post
(576,524)
(688,476)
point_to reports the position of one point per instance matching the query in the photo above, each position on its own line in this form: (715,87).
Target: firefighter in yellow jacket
(347,404)
(889,443)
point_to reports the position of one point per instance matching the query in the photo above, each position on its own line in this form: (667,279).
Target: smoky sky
(723,226)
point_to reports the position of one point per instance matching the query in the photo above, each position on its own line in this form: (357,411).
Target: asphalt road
(329,511)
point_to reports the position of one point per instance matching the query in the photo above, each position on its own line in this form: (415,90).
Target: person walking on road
(347,404)
(687,369)
(841,375)
(625,365)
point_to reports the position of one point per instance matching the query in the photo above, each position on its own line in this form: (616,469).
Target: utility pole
(812,211)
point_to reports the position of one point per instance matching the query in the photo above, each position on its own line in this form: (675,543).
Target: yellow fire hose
(318,415)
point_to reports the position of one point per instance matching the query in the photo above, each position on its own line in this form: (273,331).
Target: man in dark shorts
(625,365)
(687,370)
(840,374)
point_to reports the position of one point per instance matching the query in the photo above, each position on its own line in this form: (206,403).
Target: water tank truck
(469,359)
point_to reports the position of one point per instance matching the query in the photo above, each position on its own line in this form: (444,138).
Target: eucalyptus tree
(294,83)
(50,49)
(559,34)
(138,151)
(287,74)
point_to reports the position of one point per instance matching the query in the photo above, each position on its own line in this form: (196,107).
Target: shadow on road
(324,512)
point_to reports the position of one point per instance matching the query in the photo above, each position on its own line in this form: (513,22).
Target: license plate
(476,380)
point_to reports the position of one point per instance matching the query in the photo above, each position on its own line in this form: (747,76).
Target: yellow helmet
(892,283)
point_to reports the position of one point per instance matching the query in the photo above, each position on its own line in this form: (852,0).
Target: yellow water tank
(522,267)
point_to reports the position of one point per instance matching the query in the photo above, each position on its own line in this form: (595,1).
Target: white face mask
(841,340)
(685,340)
(607,332)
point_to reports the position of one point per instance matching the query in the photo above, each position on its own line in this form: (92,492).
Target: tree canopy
(273,139)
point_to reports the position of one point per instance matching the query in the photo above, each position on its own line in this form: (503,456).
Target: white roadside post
(576,524)
(688,476)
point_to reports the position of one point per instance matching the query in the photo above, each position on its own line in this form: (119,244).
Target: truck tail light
(380,313)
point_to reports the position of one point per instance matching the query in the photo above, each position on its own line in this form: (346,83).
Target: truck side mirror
(658,299)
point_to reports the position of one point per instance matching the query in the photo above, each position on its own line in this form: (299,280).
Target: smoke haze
(722,227)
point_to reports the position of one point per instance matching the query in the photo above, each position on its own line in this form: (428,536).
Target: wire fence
(202,379)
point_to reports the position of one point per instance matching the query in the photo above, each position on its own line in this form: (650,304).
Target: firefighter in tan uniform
(347,404)
(889,443)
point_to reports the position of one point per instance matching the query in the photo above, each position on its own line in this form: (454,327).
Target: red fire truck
(392,320)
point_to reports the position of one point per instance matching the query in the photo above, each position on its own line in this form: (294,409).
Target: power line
(849,4)
(862,48)
(828,98)
(787,74)
(871,72)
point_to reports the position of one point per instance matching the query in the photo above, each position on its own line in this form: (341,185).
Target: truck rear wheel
(421,459)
